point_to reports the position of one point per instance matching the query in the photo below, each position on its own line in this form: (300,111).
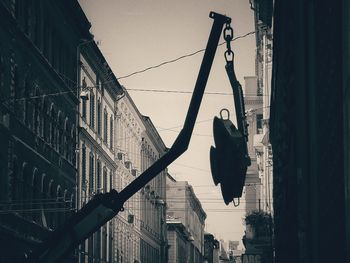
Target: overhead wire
(135,73)
(179,58)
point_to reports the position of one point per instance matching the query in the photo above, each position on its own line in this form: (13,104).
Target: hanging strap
(242,124)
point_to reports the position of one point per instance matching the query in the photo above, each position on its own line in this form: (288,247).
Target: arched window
(59,218)
(26,190)
(36,196)
(50,209)
(43,192)
(92,110)
(14,180)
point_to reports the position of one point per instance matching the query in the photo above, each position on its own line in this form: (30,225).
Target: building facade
(38,119)
(211,249)
(153,199)
(99,91)
(260,194)
(128,134)
(254,106)
(184,206)
(309,131)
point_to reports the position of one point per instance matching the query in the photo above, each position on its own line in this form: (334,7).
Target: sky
(137,34)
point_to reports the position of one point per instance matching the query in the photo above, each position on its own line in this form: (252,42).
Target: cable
(37,96)
(137,72)
(179,58)
(190,92)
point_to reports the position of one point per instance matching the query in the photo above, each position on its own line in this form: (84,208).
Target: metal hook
(229,56)
(228,114)
(234,203)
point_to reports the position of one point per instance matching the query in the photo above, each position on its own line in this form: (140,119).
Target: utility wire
(190,92)
(179,58)
(137,72)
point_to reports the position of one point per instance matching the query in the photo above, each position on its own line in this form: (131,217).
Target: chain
(228,36)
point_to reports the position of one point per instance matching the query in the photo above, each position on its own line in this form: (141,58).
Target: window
(105,181)
(66,139)
(98,175)
(92,110)
(99,113)
(105,126)
(91,172)
(72,144)
(27,103)
(259,127)
(110,180)
(60,132)
(52,127)
(14,91)
(44,121)
(83,167)
(111,133)
(83,89)
(37,115)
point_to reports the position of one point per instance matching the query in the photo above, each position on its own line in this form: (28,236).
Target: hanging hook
(234,203)
(228,114)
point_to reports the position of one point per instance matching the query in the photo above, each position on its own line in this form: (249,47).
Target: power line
(190,92)
(138,72)
(178,58)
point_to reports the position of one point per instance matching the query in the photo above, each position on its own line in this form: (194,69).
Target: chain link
(228,36)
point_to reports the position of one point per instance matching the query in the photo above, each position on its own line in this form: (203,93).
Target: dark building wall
(307,132)
(37,120)
(346,90)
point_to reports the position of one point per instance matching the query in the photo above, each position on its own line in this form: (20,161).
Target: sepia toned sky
(137,34)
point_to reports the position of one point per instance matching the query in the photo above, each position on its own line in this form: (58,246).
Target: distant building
(184,206)
(223,256)
(211,249)
(153,242)
(233,251)
(128,147)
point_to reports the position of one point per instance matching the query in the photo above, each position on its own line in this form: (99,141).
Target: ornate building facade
(153,199)
(99,91)
(128,134)
(37,119)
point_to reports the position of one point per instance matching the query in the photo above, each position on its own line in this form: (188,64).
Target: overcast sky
(137,34)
